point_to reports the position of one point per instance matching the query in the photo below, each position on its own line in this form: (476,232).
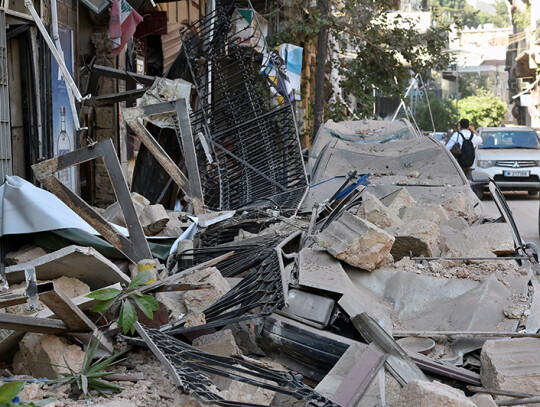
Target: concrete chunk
(43,356)
(356,241)
(421,393)
(114,213)
(486,240)
(459,205)
(221,343)
(26,253)
(420,236)
(483,400)
(408,214)
(375,212)
(199,300)
(511,364)
(83,263)
(398,200)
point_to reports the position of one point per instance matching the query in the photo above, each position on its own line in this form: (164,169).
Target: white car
(511,156)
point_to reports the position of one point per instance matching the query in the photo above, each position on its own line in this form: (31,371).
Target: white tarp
(25,208)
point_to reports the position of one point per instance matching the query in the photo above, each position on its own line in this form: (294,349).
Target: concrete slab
(82,263)
(511,364)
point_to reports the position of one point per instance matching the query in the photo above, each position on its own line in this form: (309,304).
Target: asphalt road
(525,211)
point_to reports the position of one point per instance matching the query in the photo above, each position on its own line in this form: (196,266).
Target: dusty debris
(426,394)
(356,242)
(25,254)
(199,300)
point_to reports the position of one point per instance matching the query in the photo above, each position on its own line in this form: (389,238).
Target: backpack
(466,158)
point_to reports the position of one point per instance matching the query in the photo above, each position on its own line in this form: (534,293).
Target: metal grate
(248,146)
(5,130)
(261,289)
(516,164)
(191,369)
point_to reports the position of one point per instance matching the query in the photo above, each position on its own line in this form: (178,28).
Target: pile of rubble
(372,279)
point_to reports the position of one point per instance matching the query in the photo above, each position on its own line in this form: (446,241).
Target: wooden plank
(31,324)
(59,303)
(355,384)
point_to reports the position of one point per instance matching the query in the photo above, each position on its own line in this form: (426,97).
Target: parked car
(511,156)
(441,136)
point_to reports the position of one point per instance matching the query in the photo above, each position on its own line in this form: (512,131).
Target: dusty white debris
(421,393)
(26,253)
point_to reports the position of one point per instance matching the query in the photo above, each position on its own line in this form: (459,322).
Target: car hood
(508,154)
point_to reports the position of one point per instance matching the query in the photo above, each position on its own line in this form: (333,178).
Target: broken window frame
(135,249)
(190,186)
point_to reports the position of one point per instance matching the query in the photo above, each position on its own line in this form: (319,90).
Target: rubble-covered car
(360,131)
(422,165)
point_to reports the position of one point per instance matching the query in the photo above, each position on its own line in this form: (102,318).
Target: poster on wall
(62,120)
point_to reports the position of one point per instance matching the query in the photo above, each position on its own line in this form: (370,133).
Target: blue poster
(62,119)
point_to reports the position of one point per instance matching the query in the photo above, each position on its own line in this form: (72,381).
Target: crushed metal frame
(186,365)
(190,186)
(135,249)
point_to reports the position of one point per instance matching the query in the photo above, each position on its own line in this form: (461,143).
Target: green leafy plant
(9,391)
(89,378)
(107,297)
(483,109)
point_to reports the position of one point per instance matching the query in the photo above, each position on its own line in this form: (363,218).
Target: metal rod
(455,334)
(500,392)
(470,258)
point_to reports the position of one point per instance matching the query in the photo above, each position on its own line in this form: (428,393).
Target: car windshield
(509,139)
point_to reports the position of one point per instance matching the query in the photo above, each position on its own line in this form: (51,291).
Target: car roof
(507,128)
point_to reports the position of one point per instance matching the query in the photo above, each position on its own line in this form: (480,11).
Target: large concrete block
(375,212)
(356,241)
(511,364)
(483,400)
(420,236)
(46,356)
(419,393)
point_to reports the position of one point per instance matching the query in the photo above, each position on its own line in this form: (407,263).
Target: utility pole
(320,74)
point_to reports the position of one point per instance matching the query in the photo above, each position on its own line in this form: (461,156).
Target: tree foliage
(444,111)
(382,52)
(483,110)
(444,11)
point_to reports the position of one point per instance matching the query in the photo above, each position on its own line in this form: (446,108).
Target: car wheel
(533,192)
(479,191)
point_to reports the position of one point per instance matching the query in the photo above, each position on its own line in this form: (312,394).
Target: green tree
(444,113)
(483,110)
(384,51)
(444,11)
